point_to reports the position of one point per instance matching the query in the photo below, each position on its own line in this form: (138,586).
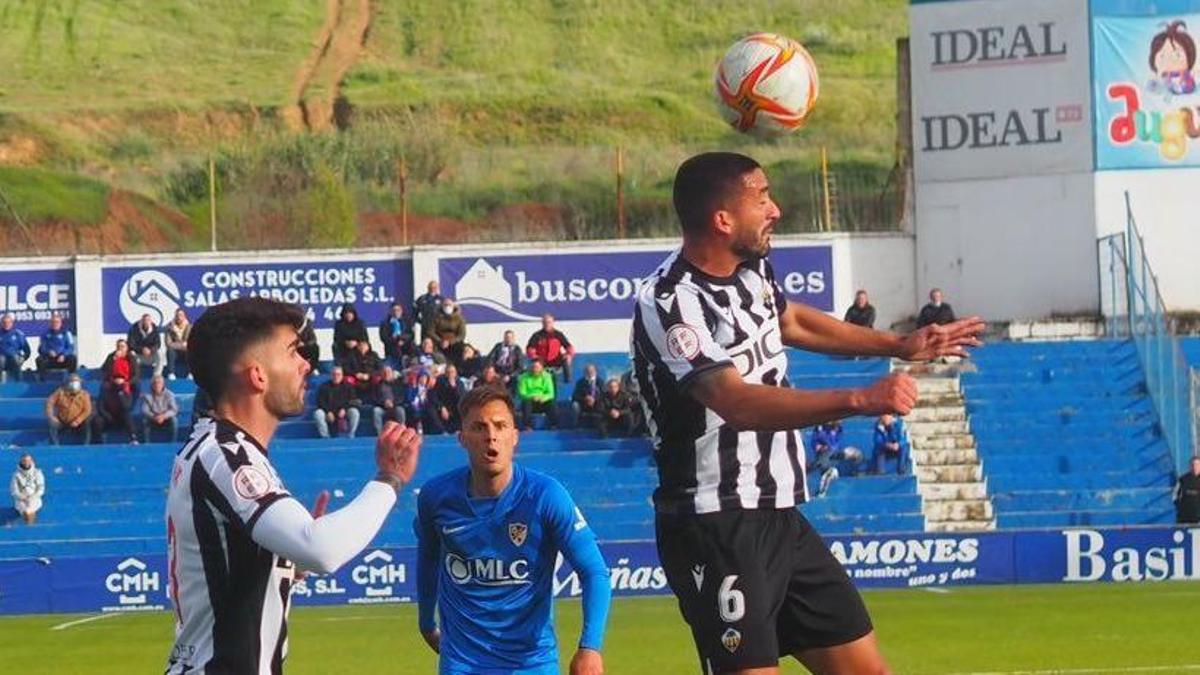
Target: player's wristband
(390,479)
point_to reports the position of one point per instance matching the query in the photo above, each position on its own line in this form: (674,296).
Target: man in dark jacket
(861,313)
(551,347)
(114,410)
(616,407)
(396,335)
(56,351)
(585,399)
(336,406)
(14,348)
(1187,495)
(444,399)
(936,311)
(384,399)
(362,367)
(145,343)
(309,349)
(348,331)
(450,331)
(507,357)
(426,308)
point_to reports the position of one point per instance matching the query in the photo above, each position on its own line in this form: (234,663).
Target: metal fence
(1133,307)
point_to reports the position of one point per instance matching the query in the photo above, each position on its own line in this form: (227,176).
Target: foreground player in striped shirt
(235,537)
(754,581)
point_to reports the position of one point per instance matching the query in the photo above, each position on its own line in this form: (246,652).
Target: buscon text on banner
(913,560)
(597,286)
(1146,97)
(321,287)
(33,294)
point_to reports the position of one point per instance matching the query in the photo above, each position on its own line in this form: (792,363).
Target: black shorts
(755,585)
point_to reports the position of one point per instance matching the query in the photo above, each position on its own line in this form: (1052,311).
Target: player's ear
(256,376)
(722,220)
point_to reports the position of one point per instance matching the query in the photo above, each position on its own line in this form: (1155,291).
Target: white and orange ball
(766,85)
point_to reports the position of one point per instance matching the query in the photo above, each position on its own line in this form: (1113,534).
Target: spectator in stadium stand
(630,385)
(891,442)
(416,400)
(551,347)
(27,487)
(508,359)
(470,366)
(428,358)
(396,335)
(535,391)
(348,331)
(444,398)
(14,348)
(426,308)
(937,311)
(145,343)
(309,349)
(178,332)
(69,409)
(616,410)
(202,405)
(585,399)
(862,312)
(826,443)
(384,400)
(489,377)
(114,409)
(1187,495)
(56,350)
(159,410)
(362,367)
(120,363)
(337,411)
(450,331)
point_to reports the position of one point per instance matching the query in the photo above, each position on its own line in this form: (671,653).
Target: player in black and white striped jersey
(754,581)
(236,538)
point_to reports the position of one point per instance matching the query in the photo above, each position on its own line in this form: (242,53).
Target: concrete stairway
(948,470)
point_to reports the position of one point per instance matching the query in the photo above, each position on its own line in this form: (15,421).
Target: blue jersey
(489,563)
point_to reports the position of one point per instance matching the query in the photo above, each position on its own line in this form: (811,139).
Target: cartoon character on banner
(1172,60)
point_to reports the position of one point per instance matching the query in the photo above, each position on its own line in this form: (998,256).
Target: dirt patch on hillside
(19,150)
(316,90)
(132,223)
(515,222)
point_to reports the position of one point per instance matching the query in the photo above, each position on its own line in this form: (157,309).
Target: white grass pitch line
(86,619)
(939,591)
(1089,671)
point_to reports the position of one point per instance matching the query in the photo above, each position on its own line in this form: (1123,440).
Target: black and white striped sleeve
(244,480)
(675,335)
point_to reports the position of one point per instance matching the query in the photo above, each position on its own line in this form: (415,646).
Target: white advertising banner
(1000,88)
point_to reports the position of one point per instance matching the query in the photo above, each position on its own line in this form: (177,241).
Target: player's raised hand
(587,662)
(397,450)
(433,638)
(894,394)
(934,341)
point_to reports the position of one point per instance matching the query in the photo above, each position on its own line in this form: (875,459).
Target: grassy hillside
(493,103)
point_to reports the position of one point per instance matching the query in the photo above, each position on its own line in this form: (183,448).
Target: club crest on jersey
(732,639)
(251,482)
(683,342)
(517,533)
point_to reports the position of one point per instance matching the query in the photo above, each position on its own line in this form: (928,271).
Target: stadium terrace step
(1056,330)
(938,386)
(950,473)
(951,491)
(921,428)
(941,442)
(936,414)
(930,458)
(963,525)
(959,510)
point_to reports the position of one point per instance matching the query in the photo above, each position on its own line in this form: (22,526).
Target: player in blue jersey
(488,537)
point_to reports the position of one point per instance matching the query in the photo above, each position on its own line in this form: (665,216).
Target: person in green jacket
(535,389)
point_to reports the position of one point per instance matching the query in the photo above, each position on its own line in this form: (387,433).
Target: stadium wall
(387,575)
(588,285)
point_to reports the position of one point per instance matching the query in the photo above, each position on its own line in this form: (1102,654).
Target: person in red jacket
(551,347)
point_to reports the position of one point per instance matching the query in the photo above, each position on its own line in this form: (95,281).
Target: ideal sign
(1000,88)
(582,286)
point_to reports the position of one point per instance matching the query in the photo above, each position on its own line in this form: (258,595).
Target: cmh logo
(131,582)
(149,292)
(378,573)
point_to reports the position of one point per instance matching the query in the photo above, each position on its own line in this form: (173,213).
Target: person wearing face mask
(27,487)
(450,331)
(69,409)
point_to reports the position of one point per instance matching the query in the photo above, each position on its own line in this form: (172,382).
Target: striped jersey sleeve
(677,332)
(244,478)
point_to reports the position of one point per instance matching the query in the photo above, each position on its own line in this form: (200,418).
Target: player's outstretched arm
(324,544)
(579,547)
(760,407)
(811,329)
(428,552)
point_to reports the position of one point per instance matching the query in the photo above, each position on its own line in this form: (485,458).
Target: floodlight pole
(212,202)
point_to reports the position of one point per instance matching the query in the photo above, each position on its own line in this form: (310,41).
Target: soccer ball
(766,85)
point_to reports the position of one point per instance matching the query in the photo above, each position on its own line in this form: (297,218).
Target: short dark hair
(483,395)
(224,332)
(704,183)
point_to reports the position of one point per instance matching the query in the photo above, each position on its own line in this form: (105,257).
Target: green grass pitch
(1147,628)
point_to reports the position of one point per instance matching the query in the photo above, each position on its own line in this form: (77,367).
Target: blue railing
(1134,308)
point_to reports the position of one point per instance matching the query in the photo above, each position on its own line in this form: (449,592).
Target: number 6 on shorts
(731,603)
